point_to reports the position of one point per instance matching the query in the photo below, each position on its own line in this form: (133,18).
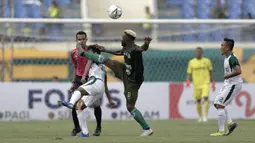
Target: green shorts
(130,88)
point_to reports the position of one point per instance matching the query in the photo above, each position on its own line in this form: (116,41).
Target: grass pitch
(167,131)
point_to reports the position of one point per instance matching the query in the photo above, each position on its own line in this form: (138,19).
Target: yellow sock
(206,108)
(199,109)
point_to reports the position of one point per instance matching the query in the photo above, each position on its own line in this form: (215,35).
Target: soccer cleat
(218,133)
(66,104)
(75,131)
(199,120)
(205,119)
(231,127)
(81,135)
(148,132)
(97,132)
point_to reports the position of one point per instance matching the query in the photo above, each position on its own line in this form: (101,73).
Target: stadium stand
(34,61)
(168,9)
(203,9)
(38,9)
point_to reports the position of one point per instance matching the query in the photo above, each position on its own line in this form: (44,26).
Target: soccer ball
(114,12)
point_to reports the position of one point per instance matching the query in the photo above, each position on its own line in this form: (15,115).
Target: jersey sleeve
(210,67)
(137,49)
(189,70)
(233,61)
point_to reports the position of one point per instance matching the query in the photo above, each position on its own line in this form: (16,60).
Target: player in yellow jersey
(200,69)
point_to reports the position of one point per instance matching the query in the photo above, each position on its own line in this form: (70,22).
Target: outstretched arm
(102,49)
(145,46)
(87,67)
(117,53)
(86,71)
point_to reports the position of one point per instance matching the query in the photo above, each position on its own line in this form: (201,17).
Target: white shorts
(227,94)
(95,88)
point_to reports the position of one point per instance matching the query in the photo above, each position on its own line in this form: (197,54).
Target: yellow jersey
(200,71)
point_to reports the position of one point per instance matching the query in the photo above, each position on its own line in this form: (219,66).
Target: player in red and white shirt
(79,77)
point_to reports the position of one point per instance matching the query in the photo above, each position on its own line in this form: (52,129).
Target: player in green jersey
(131,72)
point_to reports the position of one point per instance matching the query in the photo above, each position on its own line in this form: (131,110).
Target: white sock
(75,97)
(221,119)
(229,120)
(82,121)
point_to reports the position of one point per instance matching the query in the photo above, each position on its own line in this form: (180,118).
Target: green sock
(139,118)
(95,57)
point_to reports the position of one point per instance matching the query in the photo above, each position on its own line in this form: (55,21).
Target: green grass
(167,131)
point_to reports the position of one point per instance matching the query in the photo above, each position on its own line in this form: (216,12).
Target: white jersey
(97,71)
(229,63)
(95,86)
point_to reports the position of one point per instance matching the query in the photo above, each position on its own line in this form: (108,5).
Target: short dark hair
(54,3)
(94,49)
(81,33)
(230,43)
(199,48)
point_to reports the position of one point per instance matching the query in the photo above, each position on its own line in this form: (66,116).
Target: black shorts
(77,82)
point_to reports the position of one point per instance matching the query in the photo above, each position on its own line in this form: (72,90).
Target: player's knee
(96,105)
(83,91)
(217,106)
(130,107)
(198,100)
(205,98)
(80,105)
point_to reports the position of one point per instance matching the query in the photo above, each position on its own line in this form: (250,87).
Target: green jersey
(134,64)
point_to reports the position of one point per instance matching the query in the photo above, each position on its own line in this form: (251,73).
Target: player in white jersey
(232,86)
(89,93)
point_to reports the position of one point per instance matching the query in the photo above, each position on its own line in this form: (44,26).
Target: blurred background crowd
(163,9)
(28,50)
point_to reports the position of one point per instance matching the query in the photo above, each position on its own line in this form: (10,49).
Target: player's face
(223,47)
(199,53)
(82,38)
(123,41)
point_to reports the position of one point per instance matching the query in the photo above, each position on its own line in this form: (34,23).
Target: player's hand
(79,48)
(83,79)
(147,40)
(71,90)
(112,104)
(78,44)
(213,85)
(187,83)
